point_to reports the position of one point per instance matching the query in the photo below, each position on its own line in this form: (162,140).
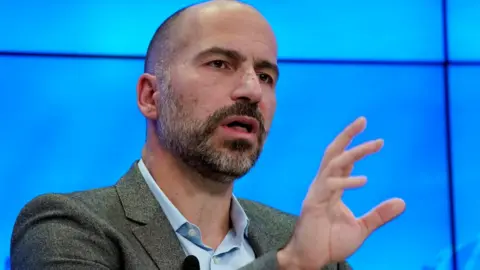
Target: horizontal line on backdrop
(281,60)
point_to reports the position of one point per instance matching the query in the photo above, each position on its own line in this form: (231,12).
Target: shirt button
(216,260)
(192,233)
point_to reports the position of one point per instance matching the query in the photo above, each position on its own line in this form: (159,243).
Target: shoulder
(66,226)
(85,207)
(94,200)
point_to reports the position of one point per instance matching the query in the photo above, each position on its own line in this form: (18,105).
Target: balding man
(208,95)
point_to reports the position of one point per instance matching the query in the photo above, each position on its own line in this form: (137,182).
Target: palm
(345,233)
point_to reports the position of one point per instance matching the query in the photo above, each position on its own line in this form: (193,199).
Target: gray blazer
(123,227)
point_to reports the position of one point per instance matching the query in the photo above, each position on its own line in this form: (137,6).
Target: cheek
(199,87)
(197,105)
(185,88)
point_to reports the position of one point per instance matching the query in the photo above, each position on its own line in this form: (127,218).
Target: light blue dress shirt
(234,251)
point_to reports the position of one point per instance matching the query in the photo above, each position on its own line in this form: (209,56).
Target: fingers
(344,139)
(348,158)
(335,176)
(380,215)
(341,183)
(333,188)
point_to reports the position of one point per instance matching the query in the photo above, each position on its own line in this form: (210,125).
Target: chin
(233,159)
(237,163)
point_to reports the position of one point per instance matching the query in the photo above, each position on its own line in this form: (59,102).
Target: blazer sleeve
(269,261)
(56,232)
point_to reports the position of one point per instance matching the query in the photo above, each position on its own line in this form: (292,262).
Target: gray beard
(190,141)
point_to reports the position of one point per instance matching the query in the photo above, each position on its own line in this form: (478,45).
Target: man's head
(209,87)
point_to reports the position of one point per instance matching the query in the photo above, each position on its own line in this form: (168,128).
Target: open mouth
(239,126)
(242,124)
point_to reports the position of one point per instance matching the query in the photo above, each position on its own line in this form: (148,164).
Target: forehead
(233,26)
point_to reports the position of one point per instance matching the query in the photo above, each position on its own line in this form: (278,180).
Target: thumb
(380,215)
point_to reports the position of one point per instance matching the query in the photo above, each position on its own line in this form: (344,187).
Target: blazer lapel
(153,230)
(257,238)
(161,243)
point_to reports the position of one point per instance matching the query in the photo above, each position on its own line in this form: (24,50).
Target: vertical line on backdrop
(448,133)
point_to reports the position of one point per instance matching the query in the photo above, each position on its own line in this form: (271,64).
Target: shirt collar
(177,220)
(239,218)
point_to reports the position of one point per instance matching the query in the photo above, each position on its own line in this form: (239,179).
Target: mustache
(239,108)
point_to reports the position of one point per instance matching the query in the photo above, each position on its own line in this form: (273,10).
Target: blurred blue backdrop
(67,99)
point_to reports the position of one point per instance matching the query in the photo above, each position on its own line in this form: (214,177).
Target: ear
(146,89)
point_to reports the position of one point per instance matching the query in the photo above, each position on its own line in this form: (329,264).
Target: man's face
(218,105)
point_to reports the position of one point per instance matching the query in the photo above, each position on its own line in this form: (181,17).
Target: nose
(249,89)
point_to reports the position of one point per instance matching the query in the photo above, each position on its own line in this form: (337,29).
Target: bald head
(168,35)
(160,44)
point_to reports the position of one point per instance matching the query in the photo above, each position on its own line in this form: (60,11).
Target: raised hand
(327,231)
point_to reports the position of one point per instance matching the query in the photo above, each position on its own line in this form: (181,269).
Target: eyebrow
(235,55)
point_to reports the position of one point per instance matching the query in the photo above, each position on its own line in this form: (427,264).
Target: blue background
(69,119)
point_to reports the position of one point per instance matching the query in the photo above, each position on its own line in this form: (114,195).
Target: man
(208,94)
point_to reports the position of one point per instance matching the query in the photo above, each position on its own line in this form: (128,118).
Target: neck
(201,201)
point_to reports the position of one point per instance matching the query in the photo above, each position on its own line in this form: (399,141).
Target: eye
(218,64)
(265,78)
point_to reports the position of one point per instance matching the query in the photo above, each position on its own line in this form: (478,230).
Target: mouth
(243,124)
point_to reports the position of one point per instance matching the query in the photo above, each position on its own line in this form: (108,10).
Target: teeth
(239,128)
